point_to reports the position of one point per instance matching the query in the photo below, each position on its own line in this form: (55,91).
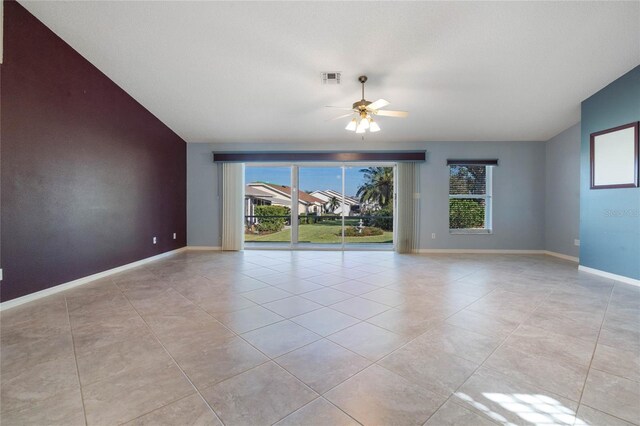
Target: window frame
(488,203)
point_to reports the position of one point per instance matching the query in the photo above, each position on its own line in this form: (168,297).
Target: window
(469,199)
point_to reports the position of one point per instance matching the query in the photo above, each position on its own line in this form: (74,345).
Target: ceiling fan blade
(380,103)
(336,107)
(385,113)
(341,116)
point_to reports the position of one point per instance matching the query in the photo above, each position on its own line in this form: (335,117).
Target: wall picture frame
(614,157)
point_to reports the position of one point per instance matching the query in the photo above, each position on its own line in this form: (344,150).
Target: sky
(311,178)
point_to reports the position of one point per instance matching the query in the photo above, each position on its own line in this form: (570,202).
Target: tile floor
(327,338)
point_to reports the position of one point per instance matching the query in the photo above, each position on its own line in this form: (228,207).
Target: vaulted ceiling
(250,71)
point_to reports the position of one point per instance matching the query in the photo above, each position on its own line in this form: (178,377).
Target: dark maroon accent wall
(88,175)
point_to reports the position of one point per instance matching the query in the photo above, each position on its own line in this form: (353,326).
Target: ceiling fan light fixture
(364,111)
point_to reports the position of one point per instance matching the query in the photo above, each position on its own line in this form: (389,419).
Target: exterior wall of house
(280,199)
(326,198)
(277,198)
(250,204)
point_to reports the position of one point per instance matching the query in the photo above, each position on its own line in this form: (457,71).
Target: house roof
(286,190)
(255,192)
(331,193)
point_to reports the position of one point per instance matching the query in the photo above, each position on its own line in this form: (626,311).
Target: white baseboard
(604,274)
(80,281)
(562,256)
(497,251)
(479,251)
(204,248)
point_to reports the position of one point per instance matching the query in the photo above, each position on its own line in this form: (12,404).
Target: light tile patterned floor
(328,338)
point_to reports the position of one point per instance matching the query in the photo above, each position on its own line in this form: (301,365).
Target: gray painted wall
(562,192)
(518,196)
(518,192)
(203,200)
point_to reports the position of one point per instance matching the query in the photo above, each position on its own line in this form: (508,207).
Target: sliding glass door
(326,206)
(267,205)
(320,198)
(372,188)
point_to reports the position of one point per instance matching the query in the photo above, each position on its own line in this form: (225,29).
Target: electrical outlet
(174,235)
(433,236)
(576,243)
(155,240)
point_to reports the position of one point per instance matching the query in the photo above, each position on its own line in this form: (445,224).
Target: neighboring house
(280,195)
(254,197)
(351,205)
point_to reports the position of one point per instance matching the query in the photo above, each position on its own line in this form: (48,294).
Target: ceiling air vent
(332,77)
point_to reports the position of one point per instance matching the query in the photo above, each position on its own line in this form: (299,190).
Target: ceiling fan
(365,110)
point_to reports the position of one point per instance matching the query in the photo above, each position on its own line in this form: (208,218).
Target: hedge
(383,219)
(367,231)
(266,221)
(465,214)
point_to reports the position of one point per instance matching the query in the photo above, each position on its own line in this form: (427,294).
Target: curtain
(232,206)
(408,207)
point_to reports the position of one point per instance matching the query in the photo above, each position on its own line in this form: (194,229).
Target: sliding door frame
(295,219)
(294,243)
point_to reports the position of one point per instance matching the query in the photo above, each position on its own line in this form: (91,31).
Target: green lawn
(324,233)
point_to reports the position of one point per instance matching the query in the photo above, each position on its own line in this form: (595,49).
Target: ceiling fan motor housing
(361,105)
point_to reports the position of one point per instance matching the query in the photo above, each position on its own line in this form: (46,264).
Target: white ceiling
(250,71)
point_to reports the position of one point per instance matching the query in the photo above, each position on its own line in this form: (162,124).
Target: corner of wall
(203,201)
(562,192)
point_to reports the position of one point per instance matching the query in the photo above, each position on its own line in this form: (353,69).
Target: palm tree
(332,205)
(378,186)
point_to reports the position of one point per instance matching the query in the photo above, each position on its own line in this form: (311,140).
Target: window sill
(470,231)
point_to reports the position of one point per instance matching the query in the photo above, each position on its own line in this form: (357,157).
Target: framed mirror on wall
(614,157)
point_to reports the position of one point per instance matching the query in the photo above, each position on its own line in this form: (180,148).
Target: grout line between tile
(312,401)
(175,362)
(269,358)
(75,358)
(160,408)
(595,347)
(489,356)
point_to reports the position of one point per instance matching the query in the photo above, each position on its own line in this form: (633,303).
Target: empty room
(251,213)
